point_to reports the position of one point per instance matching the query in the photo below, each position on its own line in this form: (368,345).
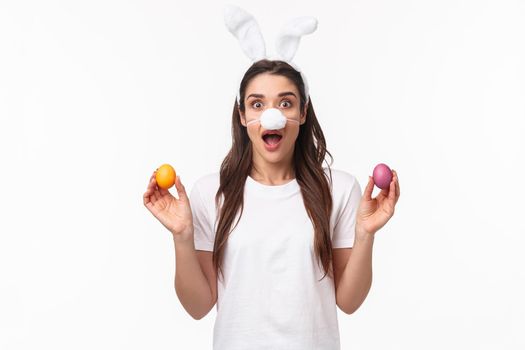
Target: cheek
(294,112)
(252,113)
(253,132)
(291,134)
(292,137)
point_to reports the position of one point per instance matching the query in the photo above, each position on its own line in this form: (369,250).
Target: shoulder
(342,181)
(345,187)
(346,194)
(207,185)
(207,180)
(202,194)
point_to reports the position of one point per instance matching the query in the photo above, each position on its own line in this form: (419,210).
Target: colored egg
(382,176)
(165,176)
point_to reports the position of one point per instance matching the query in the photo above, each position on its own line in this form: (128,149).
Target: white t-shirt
(270,297)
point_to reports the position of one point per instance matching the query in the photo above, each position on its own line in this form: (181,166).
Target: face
(263,92)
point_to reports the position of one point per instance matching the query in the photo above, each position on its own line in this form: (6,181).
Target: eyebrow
(286,93)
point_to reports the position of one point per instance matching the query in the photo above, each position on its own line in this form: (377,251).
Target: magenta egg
(382,176)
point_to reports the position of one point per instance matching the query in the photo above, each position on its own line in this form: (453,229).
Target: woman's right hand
(173,213)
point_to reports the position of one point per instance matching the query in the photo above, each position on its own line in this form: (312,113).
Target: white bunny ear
(288,39)
(246,29)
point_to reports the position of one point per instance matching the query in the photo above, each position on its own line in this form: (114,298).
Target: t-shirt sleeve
(344,228)
(202,229)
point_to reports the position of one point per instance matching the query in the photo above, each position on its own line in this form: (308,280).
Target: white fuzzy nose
(272,119)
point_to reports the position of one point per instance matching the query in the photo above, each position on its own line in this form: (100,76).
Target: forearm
(356,278)
(191,285)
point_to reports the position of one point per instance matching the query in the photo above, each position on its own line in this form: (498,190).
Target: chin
(276,155)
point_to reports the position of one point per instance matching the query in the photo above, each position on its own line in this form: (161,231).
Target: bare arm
(356,278)
(191,284)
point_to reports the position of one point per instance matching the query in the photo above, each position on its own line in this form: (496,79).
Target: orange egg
(165,176)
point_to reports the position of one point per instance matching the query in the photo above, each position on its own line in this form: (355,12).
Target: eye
(254,103)
(286,101)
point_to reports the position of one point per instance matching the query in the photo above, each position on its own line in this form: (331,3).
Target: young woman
(274,239)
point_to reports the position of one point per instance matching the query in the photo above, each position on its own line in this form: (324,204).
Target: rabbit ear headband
(246,29)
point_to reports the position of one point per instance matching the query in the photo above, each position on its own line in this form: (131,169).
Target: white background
(95,95)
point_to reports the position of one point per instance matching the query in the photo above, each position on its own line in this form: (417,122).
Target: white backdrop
(95,95)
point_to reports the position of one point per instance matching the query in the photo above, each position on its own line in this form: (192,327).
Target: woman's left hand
(374,213)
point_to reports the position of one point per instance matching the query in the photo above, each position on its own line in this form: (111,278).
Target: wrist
(362,236)
(183,239)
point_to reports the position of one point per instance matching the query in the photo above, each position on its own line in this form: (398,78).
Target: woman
(258,238)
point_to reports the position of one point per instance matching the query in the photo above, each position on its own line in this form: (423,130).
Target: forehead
(270,85)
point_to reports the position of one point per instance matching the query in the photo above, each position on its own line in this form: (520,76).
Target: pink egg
(382,176)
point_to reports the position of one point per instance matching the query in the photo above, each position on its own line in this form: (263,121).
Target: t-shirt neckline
(285,189)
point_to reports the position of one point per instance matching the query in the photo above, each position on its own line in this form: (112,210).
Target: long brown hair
(309,153)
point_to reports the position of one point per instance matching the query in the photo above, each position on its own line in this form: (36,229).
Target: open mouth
(272,139)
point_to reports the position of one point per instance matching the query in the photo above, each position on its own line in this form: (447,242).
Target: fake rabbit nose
(272,119)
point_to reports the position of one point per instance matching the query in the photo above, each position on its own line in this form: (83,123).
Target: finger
(396,182)
(369,188)
(398,189)
(152,190)
(155,186)
(156,192)
(384,193)
(149,197)
(149,188)
(392,191)
(153,196)
(164,191)
(146,199)
(152,181)
(181,190)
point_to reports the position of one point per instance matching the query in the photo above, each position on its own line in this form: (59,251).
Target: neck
(272,173)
